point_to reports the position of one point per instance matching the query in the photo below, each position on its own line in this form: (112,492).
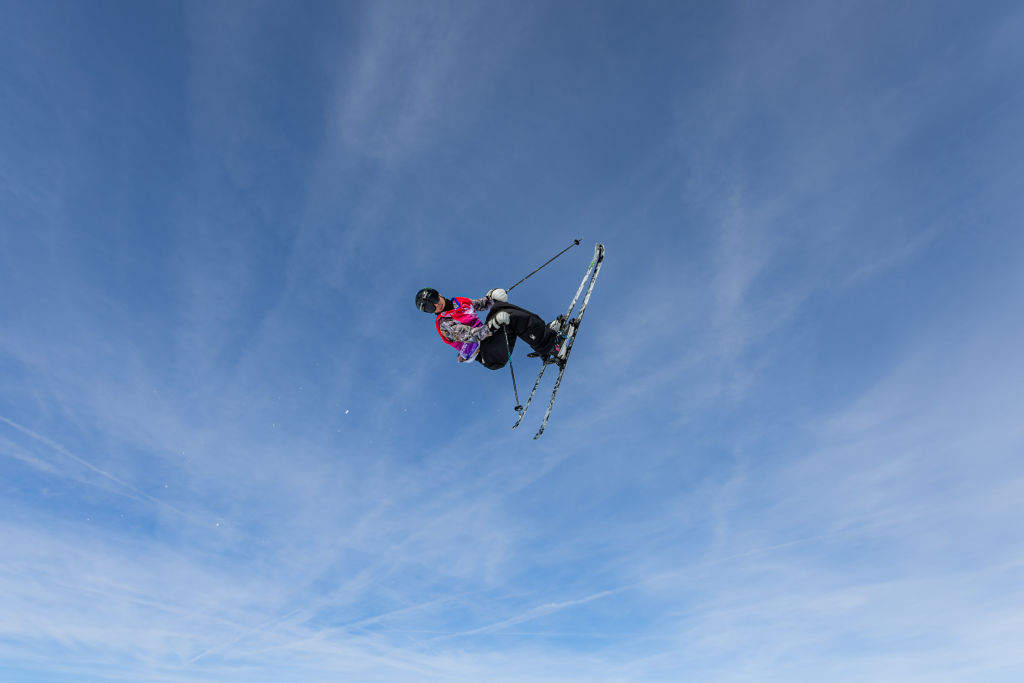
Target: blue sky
(788,446)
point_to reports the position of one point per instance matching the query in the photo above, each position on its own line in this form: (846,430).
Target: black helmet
(426,299)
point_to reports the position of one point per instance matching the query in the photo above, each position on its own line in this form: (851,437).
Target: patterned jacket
(461,329)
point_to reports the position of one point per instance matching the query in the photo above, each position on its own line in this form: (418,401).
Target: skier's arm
(458,332)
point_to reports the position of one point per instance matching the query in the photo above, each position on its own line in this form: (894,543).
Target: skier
(489,344)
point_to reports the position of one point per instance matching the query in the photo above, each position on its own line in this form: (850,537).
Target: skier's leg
(494,352)
(528,326)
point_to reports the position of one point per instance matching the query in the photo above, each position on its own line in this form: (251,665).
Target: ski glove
(498,294)
(500,318)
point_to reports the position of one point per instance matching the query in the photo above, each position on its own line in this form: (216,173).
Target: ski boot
(557,324)
(557,353)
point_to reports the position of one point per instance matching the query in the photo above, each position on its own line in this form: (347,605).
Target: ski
(572,325)
(562,319)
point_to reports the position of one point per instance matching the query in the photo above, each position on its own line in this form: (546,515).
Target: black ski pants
(494,352)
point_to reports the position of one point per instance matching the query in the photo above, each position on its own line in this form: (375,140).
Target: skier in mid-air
(489,343)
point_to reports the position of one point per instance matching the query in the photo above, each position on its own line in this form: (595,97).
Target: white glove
(498,294)
(500,318)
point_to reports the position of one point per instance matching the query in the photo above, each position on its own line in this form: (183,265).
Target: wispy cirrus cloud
(402,79)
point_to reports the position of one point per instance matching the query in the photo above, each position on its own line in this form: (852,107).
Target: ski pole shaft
(515,390)
(574,243)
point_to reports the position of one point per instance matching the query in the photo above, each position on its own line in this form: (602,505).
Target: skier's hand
(500,318)
(498,294)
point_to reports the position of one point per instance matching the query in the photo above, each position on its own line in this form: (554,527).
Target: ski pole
(574,243)
(515,390)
